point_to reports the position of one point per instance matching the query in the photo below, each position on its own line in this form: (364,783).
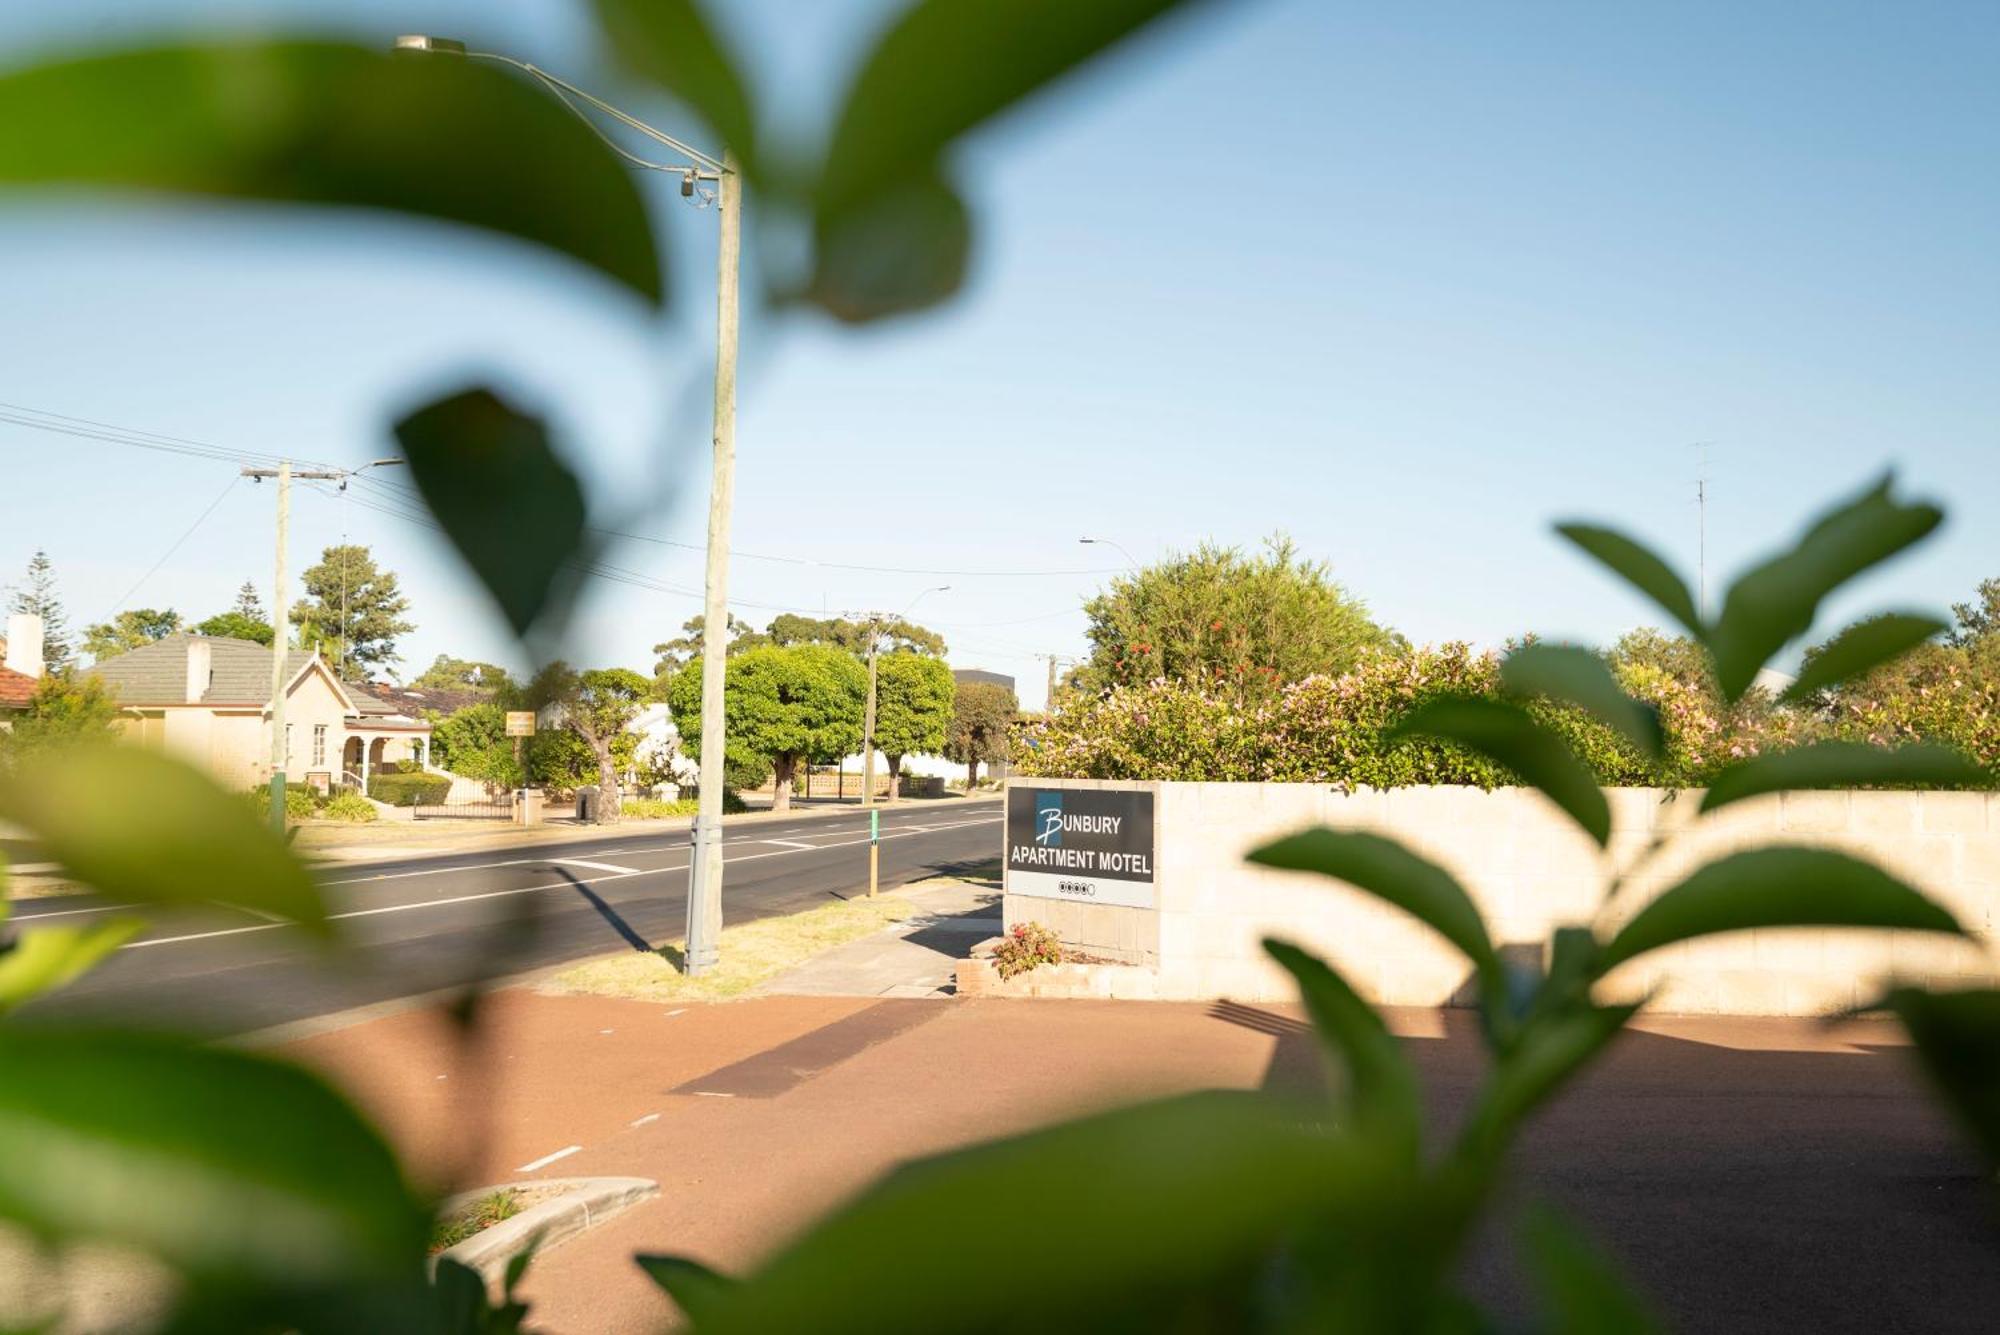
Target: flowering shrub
(1030,945)
(1336,729)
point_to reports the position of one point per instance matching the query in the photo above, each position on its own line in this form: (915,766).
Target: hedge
(1337,730)
(408,790)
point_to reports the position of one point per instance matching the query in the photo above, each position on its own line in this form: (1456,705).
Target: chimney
(24,644)
(200,668)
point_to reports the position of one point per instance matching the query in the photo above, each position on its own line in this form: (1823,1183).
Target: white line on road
(788,843)
(517,890)
(641,1121)
(548,1159)
(595,866)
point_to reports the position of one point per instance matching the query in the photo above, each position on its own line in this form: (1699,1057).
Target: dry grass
(751,953)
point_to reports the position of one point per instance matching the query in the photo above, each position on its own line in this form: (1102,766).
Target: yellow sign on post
(520,723)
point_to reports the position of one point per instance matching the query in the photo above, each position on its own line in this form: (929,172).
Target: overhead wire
(167,555)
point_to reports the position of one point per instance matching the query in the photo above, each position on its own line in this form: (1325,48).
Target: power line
(165,556)
(82,427)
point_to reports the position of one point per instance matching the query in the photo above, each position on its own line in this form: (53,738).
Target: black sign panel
(1088,844)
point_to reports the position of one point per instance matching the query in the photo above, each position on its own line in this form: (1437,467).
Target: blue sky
(1405,282)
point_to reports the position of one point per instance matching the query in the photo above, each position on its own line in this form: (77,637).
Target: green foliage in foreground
(280,1208)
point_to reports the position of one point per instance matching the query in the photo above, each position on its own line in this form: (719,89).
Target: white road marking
(681,1011)
(713,1094)
(594,866)
(65,913)
(548,1159)
(641,1121)
(518,890)
(787,843)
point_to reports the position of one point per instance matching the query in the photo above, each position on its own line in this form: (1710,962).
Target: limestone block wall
(1530,870)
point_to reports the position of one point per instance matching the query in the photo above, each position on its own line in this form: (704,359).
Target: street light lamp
(1106,542)
(704,907)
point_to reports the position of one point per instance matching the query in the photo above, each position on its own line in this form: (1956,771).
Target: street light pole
(1106,542)
(704,907)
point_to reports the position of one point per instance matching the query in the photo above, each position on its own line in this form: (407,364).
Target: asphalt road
(419,926)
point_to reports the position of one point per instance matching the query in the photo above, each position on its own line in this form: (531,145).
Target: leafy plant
(1027,945)
(349,805)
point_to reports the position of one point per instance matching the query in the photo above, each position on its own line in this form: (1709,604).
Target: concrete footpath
(1752,1175)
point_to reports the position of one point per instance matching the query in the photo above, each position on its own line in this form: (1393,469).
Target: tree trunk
(607,785)
(971,774)
(895,776)
(781,782)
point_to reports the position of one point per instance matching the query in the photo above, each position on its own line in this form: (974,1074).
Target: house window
(288,746)
(319,745)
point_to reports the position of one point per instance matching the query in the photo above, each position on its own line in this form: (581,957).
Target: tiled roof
(156,674)
(411,700)
(16,689)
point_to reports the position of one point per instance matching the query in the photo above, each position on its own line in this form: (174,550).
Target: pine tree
(352,611)
(39,598)
(248,604)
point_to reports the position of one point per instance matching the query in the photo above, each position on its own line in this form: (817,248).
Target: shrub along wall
(408,790)
(1338,731)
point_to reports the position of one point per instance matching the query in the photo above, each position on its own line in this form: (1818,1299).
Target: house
(20,662)
(207,698)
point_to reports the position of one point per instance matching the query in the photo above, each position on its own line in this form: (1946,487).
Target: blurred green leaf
(1384,868)
(1775,603)
(1579,677)
(1958,1040)
(507,502)
(1179,1193)
(700,1291)
(1546,1054)
(46,958)
(1776,887)
(946,66)
(141,826)
(222,1164)
(899,250)
(1863,646)
(672,43)
(464,1307)
(1379,1097)
(1582,1292)
(1505,734)
(319,123)
(1843,765)
(1639,567)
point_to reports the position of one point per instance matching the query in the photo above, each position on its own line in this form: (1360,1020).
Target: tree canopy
(463,674)
(677,653)
(245,620)
(1242,626)
(982,712)
(782,703)
(352,611)
(129,630)
(914,696)
(65,709)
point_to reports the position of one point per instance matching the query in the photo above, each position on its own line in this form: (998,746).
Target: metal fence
(500,807)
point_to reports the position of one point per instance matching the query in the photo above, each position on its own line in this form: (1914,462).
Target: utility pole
(868,726)
(1054,660)
(704,908)
(280,614)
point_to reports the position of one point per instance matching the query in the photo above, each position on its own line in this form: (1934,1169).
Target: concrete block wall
(1530,870)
